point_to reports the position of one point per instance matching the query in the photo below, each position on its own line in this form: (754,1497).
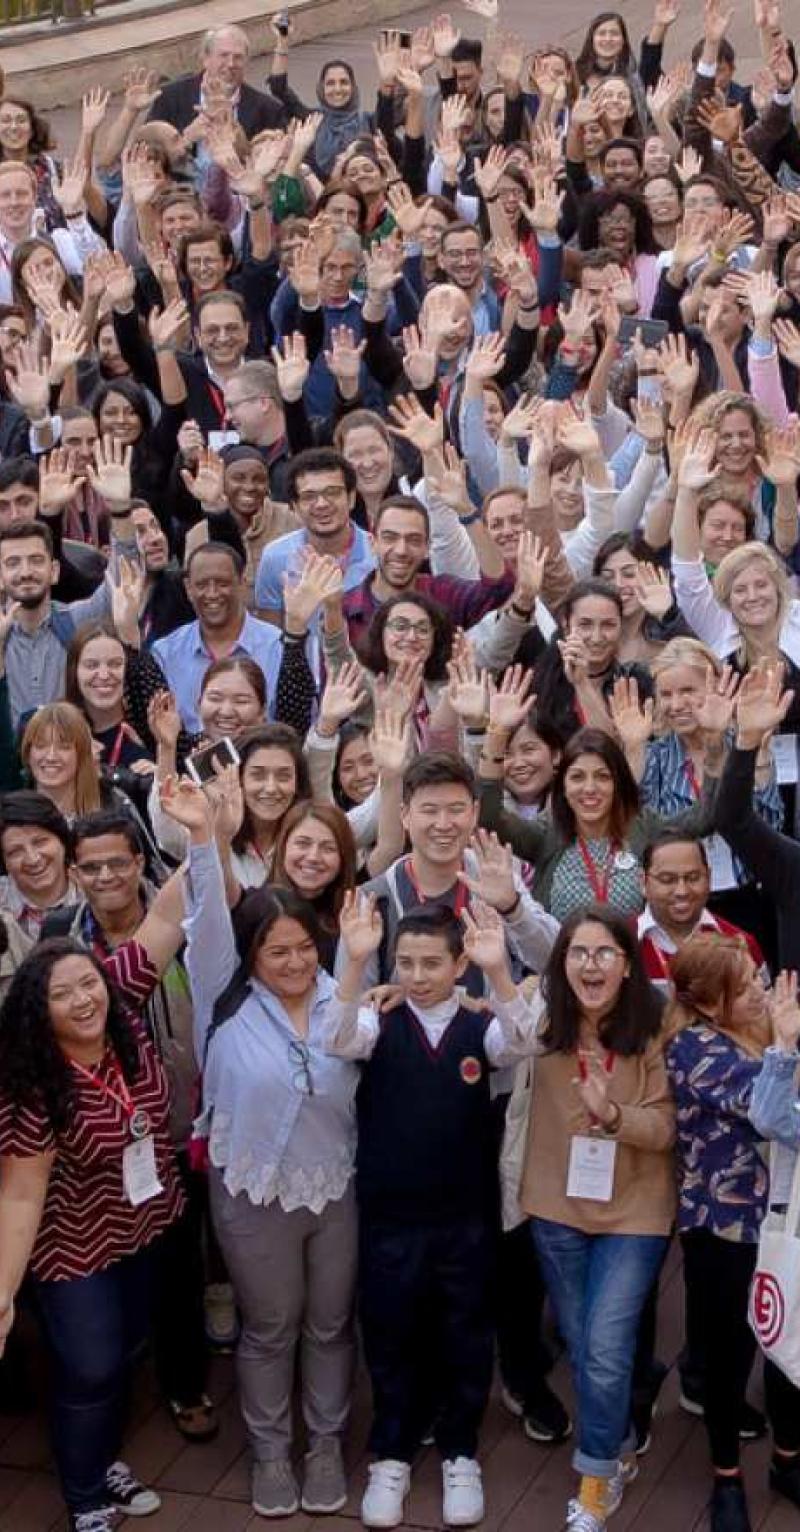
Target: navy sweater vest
(426,1144)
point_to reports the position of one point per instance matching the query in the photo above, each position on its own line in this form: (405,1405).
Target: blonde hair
(708,972)
(70,727)
(732,566)
(686,651)
(710,413)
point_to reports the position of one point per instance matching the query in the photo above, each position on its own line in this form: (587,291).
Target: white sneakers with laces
(384,1496)
(462,1492)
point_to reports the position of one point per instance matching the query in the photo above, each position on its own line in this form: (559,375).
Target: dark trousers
(94,1327)
(524,1358)
(718,1273)
(179,1338)
(407,1273)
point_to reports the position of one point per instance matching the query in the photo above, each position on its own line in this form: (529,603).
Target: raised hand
(382,270)
(402,691)
(419,358)
(782,462)
(445,36)
(164,720)
(593,1092)
(510,702)
(207,481)
(304,273)
(631,716)
(714,714)
(532,557)
(320,580)
(680,369)
(268,152)
(722,122)
(485,938)
(761,704)
(165,325)
(59,481)
(408,215)
(577,320)
(29,383)
(187,804)
(653,590)
(140,87)
(344,359)
(422,50)
(446,477)
(689,165)
(413,424)
(576,433)
(127,594)
(486,358)
(547,204)
(696,468)
(69,189)
(785,1012)
(488,173)
(389,741)
(787,335)
(344,694)
(649,417)
(111,474)
(519,422)
(493,880)
(94,106)
(120,282)
(224,793)
(360,925)
(292,366)
(467,689)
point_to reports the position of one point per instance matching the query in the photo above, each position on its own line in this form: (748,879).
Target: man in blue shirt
(215,586)
(321,490)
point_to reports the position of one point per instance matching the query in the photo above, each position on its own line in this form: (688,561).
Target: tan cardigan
(644,1198)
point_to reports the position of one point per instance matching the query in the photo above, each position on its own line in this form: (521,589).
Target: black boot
(784,1477)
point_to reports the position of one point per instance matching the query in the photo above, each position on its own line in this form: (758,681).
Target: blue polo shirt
(184,659)
(283,556)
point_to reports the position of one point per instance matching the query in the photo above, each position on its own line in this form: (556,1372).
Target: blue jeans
(598,1284)
(94,1326)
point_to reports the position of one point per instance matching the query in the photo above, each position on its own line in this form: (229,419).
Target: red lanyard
(138,1120)
(691,776)
(116,749)
(462,892)
(583,1067)
(600,885)
(218,401)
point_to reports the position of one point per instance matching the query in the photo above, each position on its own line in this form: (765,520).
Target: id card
(784,756)
(139,1173)
(591,1168)
(219,439)
(720,863)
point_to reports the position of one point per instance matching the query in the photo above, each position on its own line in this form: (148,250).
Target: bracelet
(395,181)
(294,638)
(653,449)
(512,908)
(73,217)
(477,730)
(466,521)
(528,308)
(718,255)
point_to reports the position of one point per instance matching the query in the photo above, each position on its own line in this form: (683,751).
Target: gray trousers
(294,1278)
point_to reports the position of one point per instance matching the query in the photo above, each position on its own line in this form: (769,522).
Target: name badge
(591,1168)
(140,1180)
(219,439)
(784,756)
(720,863)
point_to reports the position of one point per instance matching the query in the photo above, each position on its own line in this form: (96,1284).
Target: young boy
(426,1181)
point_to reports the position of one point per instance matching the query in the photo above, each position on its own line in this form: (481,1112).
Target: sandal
(196,1422)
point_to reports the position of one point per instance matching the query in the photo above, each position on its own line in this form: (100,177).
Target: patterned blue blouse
(666,788)
(723,1177)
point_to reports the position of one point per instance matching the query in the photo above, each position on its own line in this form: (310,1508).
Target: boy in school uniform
(426,1180)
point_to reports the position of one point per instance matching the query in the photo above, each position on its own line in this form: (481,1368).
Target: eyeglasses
(113,864)
(403,628)
(329,496)
(602,957)
(300,1060)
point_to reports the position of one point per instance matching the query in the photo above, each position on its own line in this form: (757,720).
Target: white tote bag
(774,1310)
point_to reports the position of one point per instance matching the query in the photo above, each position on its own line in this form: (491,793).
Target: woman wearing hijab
(337,94)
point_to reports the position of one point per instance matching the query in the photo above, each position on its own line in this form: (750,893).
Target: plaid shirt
(465,601)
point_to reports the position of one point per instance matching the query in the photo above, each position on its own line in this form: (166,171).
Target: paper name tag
(720,863)
(219,439)
(591,1168)
(139,1173)
(784,755)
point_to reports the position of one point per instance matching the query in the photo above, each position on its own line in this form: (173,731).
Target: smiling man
(34,848)
(321,490)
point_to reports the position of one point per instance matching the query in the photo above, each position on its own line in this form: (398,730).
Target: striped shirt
(87,1222)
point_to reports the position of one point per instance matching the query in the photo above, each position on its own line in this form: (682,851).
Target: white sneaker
(389,1483)
(462,1492)
(627,1469)
(581,1520)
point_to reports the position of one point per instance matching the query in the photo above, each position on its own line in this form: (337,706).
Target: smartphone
(404,37)
(200,766)
(653,331)
(282,23)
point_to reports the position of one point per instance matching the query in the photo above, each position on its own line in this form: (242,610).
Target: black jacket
(177,101)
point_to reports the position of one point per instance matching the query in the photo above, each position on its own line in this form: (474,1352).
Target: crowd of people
(399,715)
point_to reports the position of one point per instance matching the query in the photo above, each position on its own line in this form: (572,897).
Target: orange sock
(593,1495)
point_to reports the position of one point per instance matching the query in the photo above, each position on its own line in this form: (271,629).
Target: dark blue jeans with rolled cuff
(94,1326)
(598,1285)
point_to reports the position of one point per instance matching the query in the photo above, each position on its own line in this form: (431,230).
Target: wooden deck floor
(205,1488)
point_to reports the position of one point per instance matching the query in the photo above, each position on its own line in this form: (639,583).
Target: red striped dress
(87,1222)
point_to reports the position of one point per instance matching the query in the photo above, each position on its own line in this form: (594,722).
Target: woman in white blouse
(279,1116)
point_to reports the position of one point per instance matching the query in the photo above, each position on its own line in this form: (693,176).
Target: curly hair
(601,202)
(373,650)
(710,413)
(33,1068)
(41,137)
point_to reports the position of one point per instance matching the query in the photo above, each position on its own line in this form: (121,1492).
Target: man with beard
(214,576)
(321,490)
(42,629)
(166,605)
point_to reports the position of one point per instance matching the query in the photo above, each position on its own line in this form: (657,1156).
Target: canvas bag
(774,1307)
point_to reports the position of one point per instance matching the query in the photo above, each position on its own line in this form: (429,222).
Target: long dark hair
(586,63)
(605,201)
(41,137)
(270,736)
(132,393)
(33,1068)
(329,903)
(552,688)
(625,802)
(252,920)
(636,1017)
(373,652)
(22,253)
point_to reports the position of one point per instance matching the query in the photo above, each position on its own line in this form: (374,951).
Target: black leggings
(718,1273)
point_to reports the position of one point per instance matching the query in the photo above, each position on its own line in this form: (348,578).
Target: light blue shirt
(184,659)
(283,556)
(278,1129)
